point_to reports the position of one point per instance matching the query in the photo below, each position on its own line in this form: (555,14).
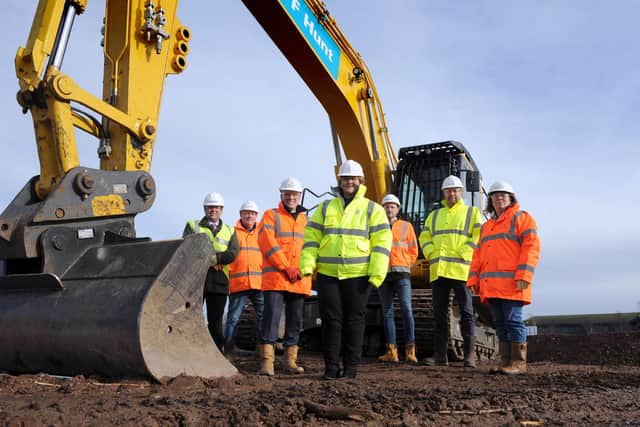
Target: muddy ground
(572,381)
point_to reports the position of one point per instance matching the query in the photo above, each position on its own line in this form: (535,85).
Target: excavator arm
(315,46)
(142,44)
(82,294)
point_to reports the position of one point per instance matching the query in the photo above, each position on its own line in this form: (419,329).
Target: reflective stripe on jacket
(245,272)
(448,239)
(404,249)
(280,238)
(509,250)
(348,242)
(220,241)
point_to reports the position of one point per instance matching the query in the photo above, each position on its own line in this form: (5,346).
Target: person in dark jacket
(225,244)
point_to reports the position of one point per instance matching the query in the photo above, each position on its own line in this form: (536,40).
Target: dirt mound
(382,394)
(600,349)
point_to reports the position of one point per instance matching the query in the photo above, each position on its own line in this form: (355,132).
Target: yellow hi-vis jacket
(220,241)
(348,242)
(448,239)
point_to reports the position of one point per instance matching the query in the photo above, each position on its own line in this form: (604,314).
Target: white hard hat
(501,186)
(390,198)
(291,184)
(249,205)
(451,181)
(213,199)
(351,168)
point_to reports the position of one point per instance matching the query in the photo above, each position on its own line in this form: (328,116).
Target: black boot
(469,352)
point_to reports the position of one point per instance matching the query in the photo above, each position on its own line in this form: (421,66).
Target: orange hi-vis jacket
(280,238)
(508,250)
(404,248)
(245,272)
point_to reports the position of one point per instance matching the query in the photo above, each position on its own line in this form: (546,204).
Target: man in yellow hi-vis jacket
(448,239)
(348,241)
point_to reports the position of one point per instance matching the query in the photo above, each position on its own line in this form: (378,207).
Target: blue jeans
(293,305)
(237,301)
(400,286)
(507,315)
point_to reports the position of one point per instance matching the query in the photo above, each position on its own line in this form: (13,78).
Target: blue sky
(545,94)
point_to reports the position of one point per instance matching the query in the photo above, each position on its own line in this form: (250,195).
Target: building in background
(583,324)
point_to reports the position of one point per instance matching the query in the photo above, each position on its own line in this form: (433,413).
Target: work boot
(267,356)
(391,355)
(331,373)
(410,353)
(469,353)
(518,363)
(437,360)
(291,355)
(504,349)
(350,372)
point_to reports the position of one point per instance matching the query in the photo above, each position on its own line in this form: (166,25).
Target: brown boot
(518,363)
(267,357)
(391,355)
(410,353)
(291,355)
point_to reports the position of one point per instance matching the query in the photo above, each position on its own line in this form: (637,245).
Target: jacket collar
(240,227)
(362,190)
(458,204)
(508,213)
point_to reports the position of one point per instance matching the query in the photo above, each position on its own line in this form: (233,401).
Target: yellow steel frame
(134,74)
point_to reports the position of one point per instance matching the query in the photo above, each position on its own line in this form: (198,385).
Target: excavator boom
(336,74)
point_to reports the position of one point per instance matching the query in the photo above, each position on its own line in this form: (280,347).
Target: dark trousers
(293,305)
(215,311)
(441,291)
(343,305)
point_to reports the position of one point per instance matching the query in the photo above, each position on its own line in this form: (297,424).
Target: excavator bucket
(123,309)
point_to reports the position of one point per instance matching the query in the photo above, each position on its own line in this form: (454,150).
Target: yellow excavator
(312,42)
(80,293)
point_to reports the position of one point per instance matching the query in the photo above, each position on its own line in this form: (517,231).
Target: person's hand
(214,260)
(218,267)
(522,284)
(475,289)
(292,273)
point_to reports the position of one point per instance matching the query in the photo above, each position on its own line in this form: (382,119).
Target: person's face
(501,201)
(452,195)
(290,199)
(349,185)
(213,213)
(248,218)
(392,210)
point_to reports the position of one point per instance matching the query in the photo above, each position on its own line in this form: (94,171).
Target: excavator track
(486,342)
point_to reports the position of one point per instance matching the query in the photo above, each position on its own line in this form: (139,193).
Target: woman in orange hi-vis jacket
(502,271)
(280,237)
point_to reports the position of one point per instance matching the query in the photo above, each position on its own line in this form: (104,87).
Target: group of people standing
(354,245)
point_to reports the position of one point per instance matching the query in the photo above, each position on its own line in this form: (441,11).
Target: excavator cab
(420,172)
(419,175)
